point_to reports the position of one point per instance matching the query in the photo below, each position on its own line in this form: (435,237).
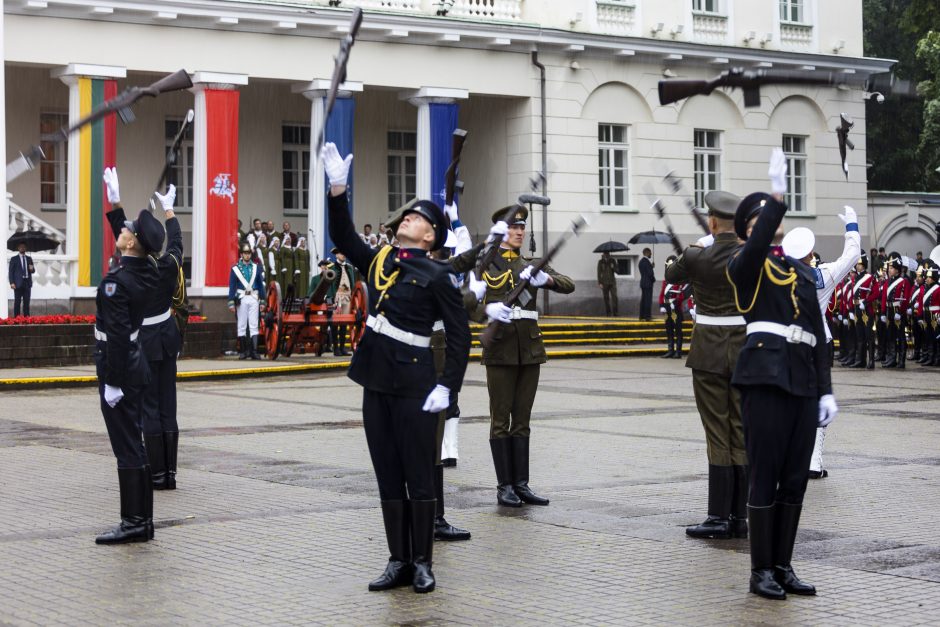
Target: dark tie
(23,260)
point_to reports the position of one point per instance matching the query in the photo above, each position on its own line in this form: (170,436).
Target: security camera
(879,97)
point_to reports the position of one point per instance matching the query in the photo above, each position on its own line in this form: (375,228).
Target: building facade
(261,68)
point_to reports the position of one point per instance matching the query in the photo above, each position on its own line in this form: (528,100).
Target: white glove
(477,286)
(112,395)
(111,182)
(845,321)
(662,310)
(778,171)
(897,316)
(296,271)
(849,217)
(692,314)
(540,278)
(451,212)
(337,168)
(884,319)
(909,312)
(827,409)
(499,232)
(498,312)
(840,317)
(437,400)
(166,200)
(922,323)
(705,241)
(851,316)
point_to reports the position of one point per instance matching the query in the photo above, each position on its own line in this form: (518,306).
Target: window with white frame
(53,167)
(295,167)
(707,166)
(402,167)
(181,172)
(706,6)
(792,11)
(613,151)
(794,147)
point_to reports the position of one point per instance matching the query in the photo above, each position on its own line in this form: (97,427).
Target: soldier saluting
(716,341)
(123,297)
(785,382)
(402,396)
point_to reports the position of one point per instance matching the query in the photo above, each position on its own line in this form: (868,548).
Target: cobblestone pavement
(276,517)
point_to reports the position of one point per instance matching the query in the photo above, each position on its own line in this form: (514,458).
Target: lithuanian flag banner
(98,148)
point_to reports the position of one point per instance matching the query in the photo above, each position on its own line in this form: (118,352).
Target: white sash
(933,288)
(892,286)
(865,280)
(241,277)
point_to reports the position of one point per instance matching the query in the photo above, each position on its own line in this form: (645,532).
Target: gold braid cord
(377,270)
(497,282)
(777,277)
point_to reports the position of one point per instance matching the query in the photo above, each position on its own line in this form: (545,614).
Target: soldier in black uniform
(161,340)
(122,299)
(784,377)
(402,396)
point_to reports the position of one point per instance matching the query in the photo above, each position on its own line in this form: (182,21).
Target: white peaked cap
(799,242)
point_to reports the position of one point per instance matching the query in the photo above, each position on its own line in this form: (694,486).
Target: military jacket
(862,297)
(771,287)
(605,271)
(411,291)
(121,301)
(301,271)
(714,348)
(163,339)
(285,270)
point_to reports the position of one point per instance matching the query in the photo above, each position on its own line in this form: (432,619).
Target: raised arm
(342,231)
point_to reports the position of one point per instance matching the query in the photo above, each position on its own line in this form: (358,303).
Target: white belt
(438,326)
(720,321)
(152,320)
(243,293)
(934,308)
(518,313)
(794,333)
(103,337)
(382,326)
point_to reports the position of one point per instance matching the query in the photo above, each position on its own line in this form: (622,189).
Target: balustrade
(616,18)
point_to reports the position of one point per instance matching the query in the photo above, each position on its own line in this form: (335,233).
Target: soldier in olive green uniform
(513,361)
(607,281)
(717,338)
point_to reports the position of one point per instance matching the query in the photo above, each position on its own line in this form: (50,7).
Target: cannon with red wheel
(291,323)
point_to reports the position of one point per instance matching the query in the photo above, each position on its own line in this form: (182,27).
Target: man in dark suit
(21,280)
(647,280)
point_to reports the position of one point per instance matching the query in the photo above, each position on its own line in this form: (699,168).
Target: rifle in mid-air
(750,81)
(842,131)
(171,154)
(120,104)
(451,183)
(339,74)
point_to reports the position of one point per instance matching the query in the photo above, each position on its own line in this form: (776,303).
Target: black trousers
(123,423)
(21,295)
(610,299)
(646,303)
(779,434)
(674,328)
(402,441)
(158,405)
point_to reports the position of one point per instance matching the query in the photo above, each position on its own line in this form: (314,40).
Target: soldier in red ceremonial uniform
(863,296)
(896,292)
(915,309)
(671,298)
(931,315)
(847,325)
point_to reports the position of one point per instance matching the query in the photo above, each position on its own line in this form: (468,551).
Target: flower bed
(66,319)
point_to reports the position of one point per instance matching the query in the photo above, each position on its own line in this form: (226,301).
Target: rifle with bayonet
(339,74)
(842,132)
(678,187)
(660,210)
(120,104)
(171,154)
(451,184)
(520,293)
(750,81)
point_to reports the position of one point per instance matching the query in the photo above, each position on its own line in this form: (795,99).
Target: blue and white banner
(443,124)
(339,130)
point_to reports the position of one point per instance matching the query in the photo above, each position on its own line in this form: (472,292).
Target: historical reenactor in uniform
(881,328)
(123,297)
(847,323)
(514,359)
(402,396)
(895,294)
(343,285)
(285,260)
(160,339)
(864,293)
(607,281)
(931,317)
(717,338)
(246,299)
(915,307)
(272,261)
(784,377)
(301,267)
(671,299)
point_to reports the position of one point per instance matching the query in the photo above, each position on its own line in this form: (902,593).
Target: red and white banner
(222,185)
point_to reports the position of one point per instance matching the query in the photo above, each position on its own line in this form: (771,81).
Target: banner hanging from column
(222,184)
(443,124)
(339,130)
(98,149)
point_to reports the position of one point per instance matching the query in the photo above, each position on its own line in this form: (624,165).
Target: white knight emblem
(222,186)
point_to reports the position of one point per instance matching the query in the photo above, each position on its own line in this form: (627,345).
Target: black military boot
(242,346)
(718,523)
(422,544)
(254,347)
(443,530)
(786,521)
(761,523)
(890,357)
(156,455)
(339,346)
(902,356)
(136,508)
(739,502)
(520,472)
(502,462)
(171,443)
(398,571)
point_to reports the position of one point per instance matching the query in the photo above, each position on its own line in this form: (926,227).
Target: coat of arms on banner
(222,186)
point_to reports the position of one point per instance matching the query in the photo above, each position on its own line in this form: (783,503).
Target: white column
(201,82)
(4,204)
(422,98)
(315,91)
(69,75)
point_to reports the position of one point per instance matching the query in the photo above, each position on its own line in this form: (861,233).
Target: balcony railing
(709,28)
(503,10)
(795,36)
(387,5)
(616,18)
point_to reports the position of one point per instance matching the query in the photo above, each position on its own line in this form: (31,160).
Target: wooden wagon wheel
(275,314)
(359,305)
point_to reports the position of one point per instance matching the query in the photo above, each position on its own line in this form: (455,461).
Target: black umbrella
(36,241)
(611,247)
(651,237)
